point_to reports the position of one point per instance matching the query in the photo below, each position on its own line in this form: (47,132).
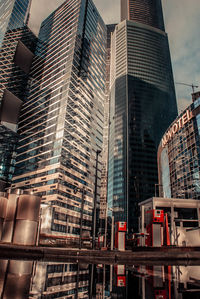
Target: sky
(182,23)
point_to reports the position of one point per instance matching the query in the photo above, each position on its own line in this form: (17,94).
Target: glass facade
(61,121)
(16,56)
(147,12)
(15,41)
(8,140)
(104,175)
(179,175)
(13,15)
(60,280)
(142,106)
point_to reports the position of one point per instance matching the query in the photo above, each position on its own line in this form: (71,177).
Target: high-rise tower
(13,15)
(143,104)
(148,12)
(17,44)
(61,122)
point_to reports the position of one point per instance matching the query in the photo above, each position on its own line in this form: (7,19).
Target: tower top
(148,12)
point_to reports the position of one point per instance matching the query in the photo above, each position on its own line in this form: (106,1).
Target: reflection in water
(56,280)
(25,279)
(15,279)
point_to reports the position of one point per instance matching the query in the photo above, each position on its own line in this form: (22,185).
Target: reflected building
(15,279)
(178,282)
(142,105)
(179,155)
(186,282)
(48,280)
(61,120)
(58,280)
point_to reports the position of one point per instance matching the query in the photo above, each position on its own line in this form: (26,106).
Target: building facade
(16,55)
(142,103)
(13,14)
(17,44)
(61,122)
(58,280)
(104,175)
(179,155)
(145,12)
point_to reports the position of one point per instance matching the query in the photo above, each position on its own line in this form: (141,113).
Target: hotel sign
(184,119)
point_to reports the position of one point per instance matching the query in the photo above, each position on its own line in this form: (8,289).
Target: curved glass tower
(143,103)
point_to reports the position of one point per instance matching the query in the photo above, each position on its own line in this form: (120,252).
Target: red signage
(160,294)
(121,281)
(121,226)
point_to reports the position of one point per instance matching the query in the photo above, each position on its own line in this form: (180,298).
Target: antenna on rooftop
(191,85)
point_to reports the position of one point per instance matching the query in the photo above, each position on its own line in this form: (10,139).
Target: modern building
(13,15)
(179,155)
(145,12)
(173,220)
(104,174)
(142,105)
(59,280)
(61,121)
(16,55)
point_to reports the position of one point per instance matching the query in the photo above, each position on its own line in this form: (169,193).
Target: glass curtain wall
(13,15)
(61,123)
(142,104)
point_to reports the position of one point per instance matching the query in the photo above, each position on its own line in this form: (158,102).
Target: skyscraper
(104,175)
(17,44)
(147,12)
(142,106)
(61,122)
(13,15)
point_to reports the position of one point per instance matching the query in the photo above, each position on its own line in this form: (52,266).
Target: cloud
(183,103)
(183,25)
(109,9)
(40,9)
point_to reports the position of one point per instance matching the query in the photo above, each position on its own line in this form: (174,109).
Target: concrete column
(3,206)
(9,223)
(198,214)
(21,220)
(18,279)
(3,269)
(27,218)
(142,225)
(172,224)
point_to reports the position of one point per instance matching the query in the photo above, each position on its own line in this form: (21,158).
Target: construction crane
(191,85)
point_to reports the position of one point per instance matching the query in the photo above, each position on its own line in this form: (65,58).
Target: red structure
(120,235)
(154,220)
(120,273)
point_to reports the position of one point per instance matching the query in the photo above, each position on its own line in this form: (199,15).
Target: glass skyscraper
(147,12)
(61,121)
(104,175)
(142,105)
(17,45)
(13,14)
